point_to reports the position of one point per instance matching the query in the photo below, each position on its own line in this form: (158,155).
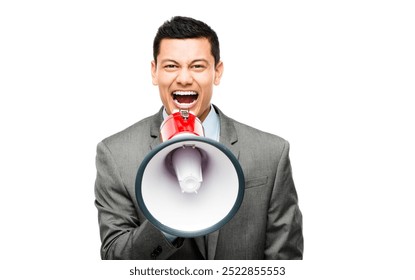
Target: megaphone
(189,185)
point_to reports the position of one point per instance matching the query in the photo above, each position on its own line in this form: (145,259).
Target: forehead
(184,49)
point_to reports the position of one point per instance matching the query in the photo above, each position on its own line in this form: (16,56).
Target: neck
(203,116)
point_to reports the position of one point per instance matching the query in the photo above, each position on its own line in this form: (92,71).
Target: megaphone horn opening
(162,202)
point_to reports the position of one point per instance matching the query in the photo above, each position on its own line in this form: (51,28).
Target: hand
(169,236)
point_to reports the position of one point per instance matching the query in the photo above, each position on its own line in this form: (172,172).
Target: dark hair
(186,28)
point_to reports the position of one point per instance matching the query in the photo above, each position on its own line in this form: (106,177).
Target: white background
(335,78)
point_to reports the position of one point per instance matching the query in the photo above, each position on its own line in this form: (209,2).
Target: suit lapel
(212,242)
(155,129)
(201,244)
(228,135)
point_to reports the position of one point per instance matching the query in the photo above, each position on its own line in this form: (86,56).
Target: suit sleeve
(284,238)
(123,235)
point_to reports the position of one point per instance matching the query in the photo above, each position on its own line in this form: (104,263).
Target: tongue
(185,98)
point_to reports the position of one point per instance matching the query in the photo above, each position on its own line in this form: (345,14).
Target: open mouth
(185,99)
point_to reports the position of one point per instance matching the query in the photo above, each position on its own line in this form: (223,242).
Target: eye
(198,66)
(170,66)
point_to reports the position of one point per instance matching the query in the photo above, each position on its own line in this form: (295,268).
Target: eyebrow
(193,61)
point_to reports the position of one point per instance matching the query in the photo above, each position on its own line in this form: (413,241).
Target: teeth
(185,93)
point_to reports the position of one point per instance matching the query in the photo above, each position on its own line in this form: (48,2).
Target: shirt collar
(211,125)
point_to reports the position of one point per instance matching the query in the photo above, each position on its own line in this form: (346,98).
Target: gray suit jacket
(268,224)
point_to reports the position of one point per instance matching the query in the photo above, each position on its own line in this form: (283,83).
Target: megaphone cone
(189,185)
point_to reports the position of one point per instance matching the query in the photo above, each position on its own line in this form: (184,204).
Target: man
(268,225)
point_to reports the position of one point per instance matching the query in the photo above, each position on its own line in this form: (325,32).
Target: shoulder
(247,134)
(260,144)
(139,132)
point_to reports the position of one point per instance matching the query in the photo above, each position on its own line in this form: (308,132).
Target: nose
(184,77)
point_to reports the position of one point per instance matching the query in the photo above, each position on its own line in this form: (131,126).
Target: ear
(154,73)
(218,73)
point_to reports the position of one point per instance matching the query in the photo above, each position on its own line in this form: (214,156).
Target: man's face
(185,74)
